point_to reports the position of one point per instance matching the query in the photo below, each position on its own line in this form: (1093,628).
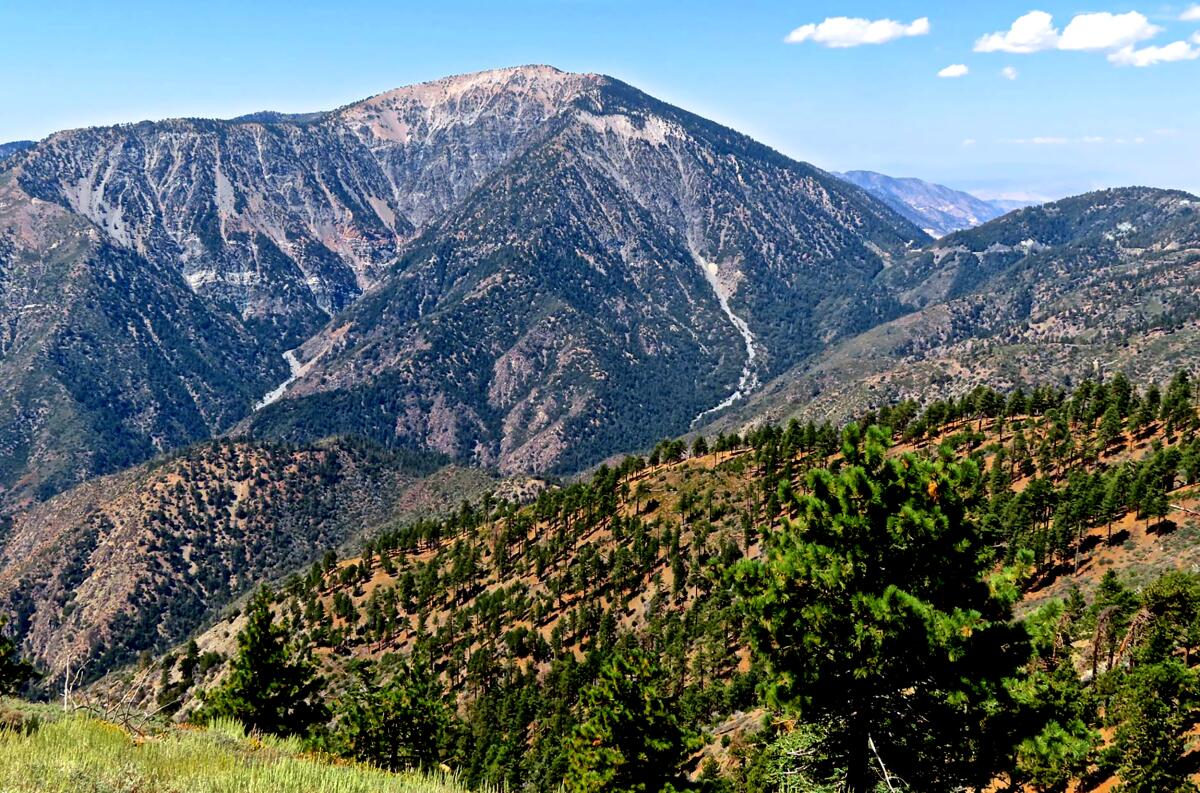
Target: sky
(1025,99)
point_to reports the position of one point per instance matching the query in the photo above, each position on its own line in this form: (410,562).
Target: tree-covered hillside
(1006,584)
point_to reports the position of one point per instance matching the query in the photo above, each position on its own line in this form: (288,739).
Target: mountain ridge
(1064,291)
(936,208)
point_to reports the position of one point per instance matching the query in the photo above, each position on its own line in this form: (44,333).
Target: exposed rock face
(106,357)
(533,243)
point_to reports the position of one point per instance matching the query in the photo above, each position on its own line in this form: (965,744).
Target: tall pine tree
(877,618)
(272,685)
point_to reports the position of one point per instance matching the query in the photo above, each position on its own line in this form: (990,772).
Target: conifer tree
(15,671)
(873,612)
(272,685)
(628,737)
(395,722)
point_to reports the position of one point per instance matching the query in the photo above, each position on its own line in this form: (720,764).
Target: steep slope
(937,209)
(138,560)
(106,358)
(289,217)
(511,606)
(1101,282)
(629,271)
(680,244)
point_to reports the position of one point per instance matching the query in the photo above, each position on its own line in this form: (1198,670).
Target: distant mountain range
(1074,289)
(937,209)
(338,318)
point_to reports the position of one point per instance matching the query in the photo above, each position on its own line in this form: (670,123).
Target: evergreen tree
(1154,706)
(15,671)
(1111,425)
(628,737)
(272,685)
(395,723)
(873,613)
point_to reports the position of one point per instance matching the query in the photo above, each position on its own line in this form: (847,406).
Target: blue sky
(1073,119)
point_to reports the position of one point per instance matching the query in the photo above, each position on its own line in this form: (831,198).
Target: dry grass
(78,754)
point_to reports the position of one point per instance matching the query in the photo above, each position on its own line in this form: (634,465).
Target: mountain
(938,209)
(512,608)
(15,147)
(489,266)
(106,357)
(137,561)
(634,267)
(1077,288)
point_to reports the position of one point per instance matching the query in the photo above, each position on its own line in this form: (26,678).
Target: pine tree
(873,613)
(1111,426)
(628,737)
(1155,704)
(395,722)
(272,685)
(15,671)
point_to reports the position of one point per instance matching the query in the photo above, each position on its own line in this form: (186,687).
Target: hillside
(598,291)
(937,209)
(505,600)
(1095,284)
(135,562)
(14,147)
(105,358)
(53,756)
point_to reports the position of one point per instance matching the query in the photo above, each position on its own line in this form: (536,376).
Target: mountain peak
(938,209)
(516,97)
(544,83)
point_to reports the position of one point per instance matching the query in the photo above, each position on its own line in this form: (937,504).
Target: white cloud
(1031,33)
(968,142)
(1105,31)
(1092,139)
(1148,56)
(955,70)
(1116,34)
(851,32)
(1087,31)
(1191,15)
(1009,73)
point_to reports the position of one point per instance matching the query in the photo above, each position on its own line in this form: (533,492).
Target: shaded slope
(138,560)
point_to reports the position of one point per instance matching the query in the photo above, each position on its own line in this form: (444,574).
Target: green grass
(78,754)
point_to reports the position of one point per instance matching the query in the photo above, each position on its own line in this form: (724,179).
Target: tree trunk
(859,777)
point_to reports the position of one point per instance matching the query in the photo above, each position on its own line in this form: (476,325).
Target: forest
(994,592)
